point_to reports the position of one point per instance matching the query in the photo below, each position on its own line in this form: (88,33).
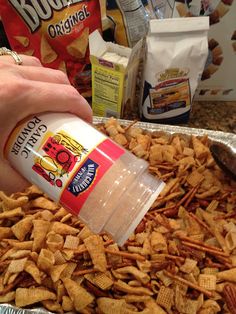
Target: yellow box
(113,84)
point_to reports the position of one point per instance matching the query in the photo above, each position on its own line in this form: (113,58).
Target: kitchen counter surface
(213,115)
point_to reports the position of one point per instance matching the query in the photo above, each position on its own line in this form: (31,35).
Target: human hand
(29,89)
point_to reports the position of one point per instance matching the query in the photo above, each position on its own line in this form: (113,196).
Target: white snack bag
(177,50)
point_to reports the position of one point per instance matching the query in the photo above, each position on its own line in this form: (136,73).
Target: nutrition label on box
(107,90)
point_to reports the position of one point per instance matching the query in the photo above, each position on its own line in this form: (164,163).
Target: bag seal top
(178,25)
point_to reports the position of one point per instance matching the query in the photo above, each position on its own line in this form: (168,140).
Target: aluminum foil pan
(9,309)
(228,139)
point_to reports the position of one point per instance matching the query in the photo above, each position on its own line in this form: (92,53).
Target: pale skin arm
(30,89)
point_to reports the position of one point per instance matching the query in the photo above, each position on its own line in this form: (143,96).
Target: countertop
(213,115)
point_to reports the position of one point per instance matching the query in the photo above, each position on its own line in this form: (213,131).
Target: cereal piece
(200,150)
(30,296)
(54,241)
(207,281)
(191,306)
(111,306)
(166,280)
(68,254)
(71,242)
(100,280)
(112,258)
(59,258)
(80,297)
(158,242)
(195,178)
(188,265)
(165,297)
(68,271)
(210,271)
(153,307)
(95,247)
(85,233)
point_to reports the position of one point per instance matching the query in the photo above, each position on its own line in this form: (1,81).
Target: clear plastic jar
(106,186)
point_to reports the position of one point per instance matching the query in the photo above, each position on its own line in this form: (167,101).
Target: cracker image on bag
(176,52)
(79,46)
(56,32)
(48,55)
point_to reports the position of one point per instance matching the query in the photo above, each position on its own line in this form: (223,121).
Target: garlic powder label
(62,155)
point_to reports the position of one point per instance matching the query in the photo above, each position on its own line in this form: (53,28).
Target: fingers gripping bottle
(107,187)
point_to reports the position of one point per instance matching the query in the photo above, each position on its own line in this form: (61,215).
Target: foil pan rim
(227,138)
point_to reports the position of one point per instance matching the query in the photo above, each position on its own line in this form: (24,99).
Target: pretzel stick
(130,125)
(161,210)
(134,256)
(174,210)
(167,175)
(186,196)
(191,285)
(201,223)
(204,249)
(165,167)
(200,243)
(229,215)
(194,191)
(225,261)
